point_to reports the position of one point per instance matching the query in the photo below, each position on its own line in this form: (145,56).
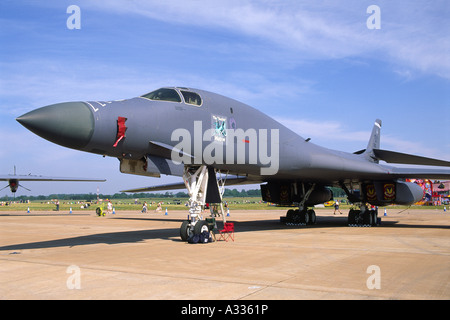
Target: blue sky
(312,65)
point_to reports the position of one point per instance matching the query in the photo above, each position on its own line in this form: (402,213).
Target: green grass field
(238,203)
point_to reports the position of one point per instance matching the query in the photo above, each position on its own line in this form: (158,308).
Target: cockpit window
(191,98)
(163,94)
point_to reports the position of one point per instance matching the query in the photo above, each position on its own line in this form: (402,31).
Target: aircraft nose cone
(69,124)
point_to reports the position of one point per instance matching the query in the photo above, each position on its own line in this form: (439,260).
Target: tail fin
(373,153)
(374,142)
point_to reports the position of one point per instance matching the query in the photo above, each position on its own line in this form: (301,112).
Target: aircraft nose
(70,124)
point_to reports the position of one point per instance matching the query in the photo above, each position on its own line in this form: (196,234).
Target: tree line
(230,193)
(93,196)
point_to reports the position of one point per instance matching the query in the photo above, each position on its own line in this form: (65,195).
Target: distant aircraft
(13,180)
(211,140)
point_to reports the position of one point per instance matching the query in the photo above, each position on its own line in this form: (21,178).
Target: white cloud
(412,35)
(330,134)
(336,135)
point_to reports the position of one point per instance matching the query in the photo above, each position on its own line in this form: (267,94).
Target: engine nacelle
(380,193)
(408,193)
(13,185)
(288,193)
(319,195)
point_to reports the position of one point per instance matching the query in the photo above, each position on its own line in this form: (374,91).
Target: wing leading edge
(404,158)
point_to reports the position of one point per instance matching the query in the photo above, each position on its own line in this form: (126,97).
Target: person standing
(109,207)
(336,207)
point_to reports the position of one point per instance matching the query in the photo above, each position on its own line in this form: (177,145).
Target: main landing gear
(299,218)
(363,217)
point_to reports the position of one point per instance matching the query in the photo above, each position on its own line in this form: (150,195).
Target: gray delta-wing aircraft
(14,179)
(210,141)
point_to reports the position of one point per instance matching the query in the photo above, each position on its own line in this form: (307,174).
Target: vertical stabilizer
(374,142)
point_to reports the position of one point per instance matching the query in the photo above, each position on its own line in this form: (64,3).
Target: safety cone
(70,211)
(166,212)
(114,210)
(228,212)
(445,209)
(385,213)
(28,210)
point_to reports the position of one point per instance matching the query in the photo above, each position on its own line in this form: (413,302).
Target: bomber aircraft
(211,140)
(13,180)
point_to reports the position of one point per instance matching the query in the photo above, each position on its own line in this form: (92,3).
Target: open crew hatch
(173,95)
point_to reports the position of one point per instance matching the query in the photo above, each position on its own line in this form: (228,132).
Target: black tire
(374,218)
(352,217)
(201,226)
(296,217)
(304,217)
(98,211)
(312,216)
(184,230)
(367,218)
(290,215)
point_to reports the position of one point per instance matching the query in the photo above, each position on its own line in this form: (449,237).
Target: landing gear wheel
(290,215)
(200,227)
(374,218)
(296,218)
(367,218)
(304,217)
(312,216)
(185,230)
(355,218)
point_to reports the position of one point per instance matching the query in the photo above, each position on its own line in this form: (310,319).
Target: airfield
(130,255)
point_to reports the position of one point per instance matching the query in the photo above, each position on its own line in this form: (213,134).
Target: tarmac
(130,255)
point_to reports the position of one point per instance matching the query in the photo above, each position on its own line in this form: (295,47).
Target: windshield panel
(191,98)
(163,94)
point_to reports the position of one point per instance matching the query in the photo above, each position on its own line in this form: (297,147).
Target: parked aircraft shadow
(322,222)
(274,224)
(106,238)
(172,234)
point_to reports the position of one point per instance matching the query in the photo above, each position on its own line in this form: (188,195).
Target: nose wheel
(199,181)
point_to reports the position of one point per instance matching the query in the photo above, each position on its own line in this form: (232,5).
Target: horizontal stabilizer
(404,158)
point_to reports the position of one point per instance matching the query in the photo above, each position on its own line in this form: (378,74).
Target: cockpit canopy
(173,95)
